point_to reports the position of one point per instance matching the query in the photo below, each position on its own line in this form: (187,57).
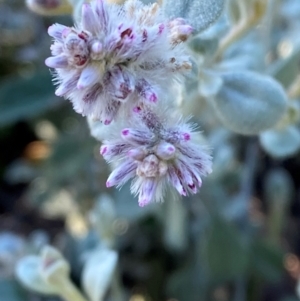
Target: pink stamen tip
(153,97)
(108,184)
(143,203)
(103,150)
(192,186)
(107,122)
(171,149)
(125,132)
(186,136)
(183,192)
(161,28)
(137,109)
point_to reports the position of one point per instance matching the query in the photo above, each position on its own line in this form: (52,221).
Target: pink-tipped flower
(157,152)
(116,55)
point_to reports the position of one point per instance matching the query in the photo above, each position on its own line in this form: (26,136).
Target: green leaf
(22,98)
(282,143)
(249,103)
(267,261)
(225,250)
(199,13)
(286,70)
(98,272)
(28,273)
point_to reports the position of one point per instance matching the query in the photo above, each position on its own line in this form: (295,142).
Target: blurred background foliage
(238,240)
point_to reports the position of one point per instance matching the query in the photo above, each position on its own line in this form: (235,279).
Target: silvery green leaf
(38,239)
(98,272)
(102,217)
(285,70)
(209,83)
(217,30)
(281,143)
(203,46)
(224,160)
(249,103)
(27,272)
(53,265)
(245,61)
(233,11)
(199,13)
(245,53)
(279,187)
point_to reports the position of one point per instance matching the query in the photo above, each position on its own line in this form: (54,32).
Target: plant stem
(243,26)
(68,291)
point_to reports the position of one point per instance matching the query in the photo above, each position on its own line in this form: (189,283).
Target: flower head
(157,151)
(116,55)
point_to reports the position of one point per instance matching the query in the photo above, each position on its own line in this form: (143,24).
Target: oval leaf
(98,273)
(199,13)
(281,143)
(27,272)
(209,84)
(249,103)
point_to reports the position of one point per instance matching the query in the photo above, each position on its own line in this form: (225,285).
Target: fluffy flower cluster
(157,152)
(117,54)
(130,56)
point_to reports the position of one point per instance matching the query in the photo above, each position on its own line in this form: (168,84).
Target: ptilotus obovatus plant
(122,64)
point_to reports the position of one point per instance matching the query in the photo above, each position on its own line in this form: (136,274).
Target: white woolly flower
(117,54)
(157,151)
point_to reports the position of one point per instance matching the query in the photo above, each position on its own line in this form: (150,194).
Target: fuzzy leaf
(203,46)
(98,273)
(102,218)
(199,13)
(285,70)
(209,83)
(249,103)
(27,272)
(281,143)
(26,98)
